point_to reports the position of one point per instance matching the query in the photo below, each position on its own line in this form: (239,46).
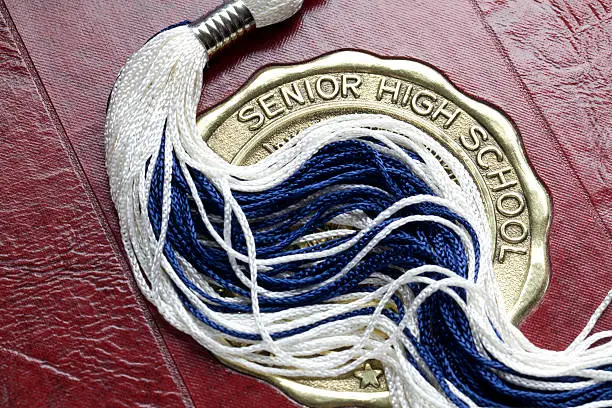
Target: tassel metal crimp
(223,26)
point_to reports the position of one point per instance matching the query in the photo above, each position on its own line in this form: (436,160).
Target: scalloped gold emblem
(280,102)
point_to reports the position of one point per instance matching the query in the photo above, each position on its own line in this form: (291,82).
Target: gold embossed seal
(280,102)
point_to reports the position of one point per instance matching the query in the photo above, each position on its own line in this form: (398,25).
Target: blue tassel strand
(445,344)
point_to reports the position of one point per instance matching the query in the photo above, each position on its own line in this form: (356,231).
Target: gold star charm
(368,376)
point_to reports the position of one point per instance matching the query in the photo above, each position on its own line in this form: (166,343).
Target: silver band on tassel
(223,26)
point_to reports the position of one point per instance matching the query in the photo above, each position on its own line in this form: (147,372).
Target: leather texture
(74,331)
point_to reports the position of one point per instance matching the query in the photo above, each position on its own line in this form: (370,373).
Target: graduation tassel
(401,274)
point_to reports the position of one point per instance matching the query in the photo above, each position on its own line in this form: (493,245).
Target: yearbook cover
(75,330)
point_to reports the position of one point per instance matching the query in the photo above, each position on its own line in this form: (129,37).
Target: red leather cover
(74,331)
